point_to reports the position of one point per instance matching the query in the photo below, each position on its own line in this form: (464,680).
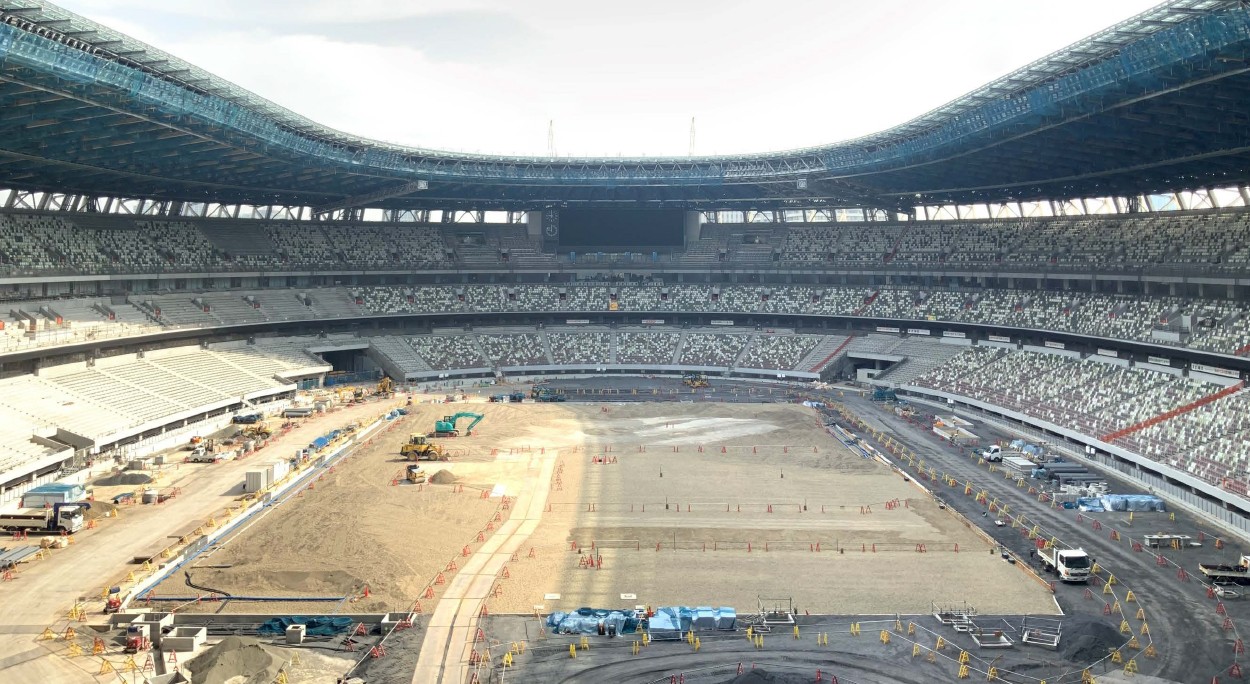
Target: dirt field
(649,512)
(356,529)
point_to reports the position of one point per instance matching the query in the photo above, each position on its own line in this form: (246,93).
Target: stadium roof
(1159,102)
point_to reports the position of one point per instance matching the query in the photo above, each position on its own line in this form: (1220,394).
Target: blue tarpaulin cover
(314,626)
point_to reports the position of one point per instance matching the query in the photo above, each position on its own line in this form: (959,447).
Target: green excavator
(447,426)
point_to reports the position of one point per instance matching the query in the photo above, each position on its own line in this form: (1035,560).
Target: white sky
(617,78)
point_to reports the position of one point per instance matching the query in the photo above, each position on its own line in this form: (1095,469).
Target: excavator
(419,449)
(386,387)
(447,426)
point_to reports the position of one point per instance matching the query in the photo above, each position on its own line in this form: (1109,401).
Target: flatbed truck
(1072,565)
(1238,574)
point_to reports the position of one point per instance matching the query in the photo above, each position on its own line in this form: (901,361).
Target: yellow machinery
(695,380)
(415,474)
(419,448)
(386,387)
(257,431)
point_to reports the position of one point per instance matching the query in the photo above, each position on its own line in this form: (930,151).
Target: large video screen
(621,227)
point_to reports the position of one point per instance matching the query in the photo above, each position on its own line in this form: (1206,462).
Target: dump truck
(60,517)
(447,426)
(1238,574)
(1072,565)
(419,449)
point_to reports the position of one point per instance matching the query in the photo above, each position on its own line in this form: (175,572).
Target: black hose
(193,585)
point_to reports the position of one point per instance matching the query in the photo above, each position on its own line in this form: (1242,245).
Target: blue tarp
(314,626)
(1135,503)
(587,620)
(669,622)
(1091,505)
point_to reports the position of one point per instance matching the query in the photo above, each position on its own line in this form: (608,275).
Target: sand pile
(123,480)
(235,661)
(444,477)
(100,509)
(1086,640)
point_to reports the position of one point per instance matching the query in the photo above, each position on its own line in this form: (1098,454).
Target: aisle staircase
(817,367)
(1168,415)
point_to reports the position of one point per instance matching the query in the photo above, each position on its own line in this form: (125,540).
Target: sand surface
(652,512)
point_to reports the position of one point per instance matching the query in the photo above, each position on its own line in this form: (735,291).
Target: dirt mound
(1086,640)
(236,661)
(123,480)
(100,509)
(444,477)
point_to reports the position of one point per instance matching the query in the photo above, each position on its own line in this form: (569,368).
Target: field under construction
(649,503)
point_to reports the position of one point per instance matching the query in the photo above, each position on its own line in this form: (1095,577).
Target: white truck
(992,454)
(59,517)
(1072,565)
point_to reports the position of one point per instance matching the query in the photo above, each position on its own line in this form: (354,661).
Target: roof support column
(1245,195)
(1215,202)
(1179,202)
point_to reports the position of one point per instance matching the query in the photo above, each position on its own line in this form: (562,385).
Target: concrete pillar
(693,224)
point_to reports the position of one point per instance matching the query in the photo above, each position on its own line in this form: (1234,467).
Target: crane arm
(477,418)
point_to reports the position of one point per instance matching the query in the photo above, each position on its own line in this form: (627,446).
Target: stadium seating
(448,351)
(777,351)
(580,348)
(646,348)
(514,349)
(710,349)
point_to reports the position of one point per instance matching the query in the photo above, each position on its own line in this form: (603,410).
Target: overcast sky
(617,78)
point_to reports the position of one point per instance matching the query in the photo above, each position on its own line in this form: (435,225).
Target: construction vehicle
(256,431)
(386,387)
(544,393)
(415,474)
(113,604)
(517,396)
(358,394)
(201,454)
(1072,565)
(884,394)
(497,398)
(695,380)
(418,448)
(1221,574)
(992,454)
(447,426)
(66,516)
(247,419)
(137,639)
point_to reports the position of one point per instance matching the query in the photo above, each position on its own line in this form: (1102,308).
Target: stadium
(961,399)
